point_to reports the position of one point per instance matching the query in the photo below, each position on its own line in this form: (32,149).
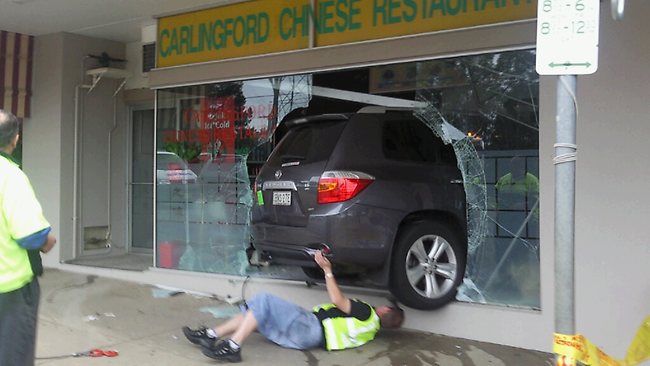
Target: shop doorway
(130,247)
(141,185)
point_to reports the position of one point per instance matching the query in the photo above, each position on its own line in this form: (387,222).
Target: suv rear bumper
(358,237)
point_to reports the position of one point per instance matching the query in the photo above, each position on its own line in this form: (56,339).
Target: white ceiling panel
(118,20)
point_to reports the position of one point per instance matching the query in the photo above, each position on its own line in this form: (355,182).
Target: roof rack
(317,118)
(383,109)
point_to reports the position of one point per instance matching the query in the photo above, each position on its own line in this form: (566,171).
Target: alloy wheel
(431,266)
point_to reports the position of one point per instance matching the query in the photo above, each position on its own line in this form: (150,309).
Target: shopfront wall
(194,90)
(49,141)
(280,64)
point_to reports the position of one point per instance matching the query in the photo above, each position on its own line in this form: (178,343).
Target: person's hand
(323,262)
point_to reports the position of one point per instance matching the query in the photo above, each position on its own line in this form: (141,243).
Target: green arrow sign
(569,64)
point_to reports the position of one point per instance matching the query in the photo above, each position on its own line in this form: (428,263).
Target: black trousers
(18,318)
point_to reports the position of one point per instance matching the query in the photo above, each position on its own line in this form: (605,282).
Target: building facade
(227,76)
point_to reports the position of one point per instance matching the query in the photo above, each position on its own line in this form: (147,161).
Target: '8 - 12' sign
(567,36)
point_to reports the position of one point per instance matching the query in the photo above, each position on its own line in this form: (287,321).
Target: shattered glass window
(486,107)
(213,139)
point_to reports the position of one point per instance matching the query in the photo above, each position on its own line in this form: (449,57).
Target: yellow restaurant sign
(265,26)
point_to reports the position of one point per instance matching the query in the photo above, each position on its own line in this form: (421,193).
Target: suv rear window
(410,140)
(308,143)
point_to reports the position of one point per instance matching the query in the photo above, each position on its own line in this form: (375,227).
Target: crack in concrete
(90,279)
(311,359)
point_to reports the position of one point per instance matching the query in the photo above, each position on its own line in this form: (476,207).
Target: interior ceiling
(117,20)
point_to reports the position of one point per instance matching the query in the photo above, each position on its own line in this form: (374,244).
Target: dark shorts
(18,316)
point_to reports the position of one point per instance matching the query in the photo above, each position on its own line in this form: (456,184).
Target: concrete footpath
(80,312)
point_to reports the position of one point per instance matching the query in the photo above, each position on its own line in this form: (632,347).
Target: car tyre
(428,264)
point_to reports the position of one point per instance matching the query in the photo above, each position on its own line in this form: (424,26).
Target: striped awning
(16,55)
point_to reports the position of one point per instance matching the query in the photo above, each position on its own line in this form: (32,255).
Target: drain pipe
(75,159)
(109,243)
(75,169)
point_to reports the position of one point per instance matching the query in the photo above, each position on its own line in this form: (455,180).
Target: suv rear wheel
(428,265)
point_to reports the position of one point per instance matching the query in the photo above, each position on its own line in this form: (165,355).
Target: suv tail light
(339,186)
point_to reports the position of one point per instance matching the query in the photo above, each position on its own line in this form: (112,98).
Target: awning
(16,55)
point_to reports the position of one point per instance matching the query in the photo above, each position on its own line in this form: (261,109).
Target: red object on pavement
(100,352)
(96,352)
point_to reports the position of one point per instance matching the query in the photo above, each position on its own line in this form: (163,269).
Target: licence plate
(282,198)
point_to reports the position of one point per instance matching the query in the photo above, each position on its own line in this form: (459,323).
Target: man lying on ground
(291,326)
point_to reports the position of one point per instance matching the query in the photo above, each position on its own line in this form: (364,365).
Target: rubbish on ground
(221,312)
(93,317)
(90,318)
(160,293)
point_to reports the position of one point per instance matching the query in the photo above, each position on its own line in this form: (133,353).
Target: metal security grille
(148,57)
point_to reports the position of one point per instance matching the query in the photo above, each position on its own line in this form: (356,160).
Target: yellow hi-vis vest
(348,332)
(20,216)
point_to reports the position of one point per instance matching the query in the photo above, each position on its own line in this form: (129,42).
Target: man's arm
(43,240)
(34,241)
(49,243)
(333,290)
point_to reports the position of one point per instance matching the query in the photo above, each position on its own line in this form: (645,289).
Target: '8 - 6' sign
(567,37)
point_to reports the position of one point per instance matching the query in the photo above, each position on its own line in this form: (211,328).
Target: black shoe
(199,336)
(223,352)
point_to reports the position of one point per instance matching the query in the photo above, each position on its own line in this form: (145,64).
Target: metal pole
(564,160)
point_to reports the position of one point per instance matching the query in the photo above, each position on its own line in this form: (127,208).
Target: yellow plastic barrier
(639,350)
(576,348)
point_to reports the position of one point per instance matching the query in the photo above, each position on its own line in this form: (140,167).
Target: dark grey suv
(377,191)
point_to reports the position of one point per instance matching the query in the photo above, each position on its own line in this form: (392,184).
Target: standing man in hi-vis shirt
(23,228)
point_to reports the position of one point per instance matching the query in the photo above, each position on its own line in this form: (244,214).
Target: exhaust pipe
(324,248)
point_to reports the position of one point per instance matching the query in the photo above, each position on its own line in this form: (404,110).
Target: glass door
(142,184)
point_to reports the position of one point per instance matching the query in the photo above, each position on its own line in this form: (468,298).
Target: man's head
(8,131)
(390,317)
(518,167)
